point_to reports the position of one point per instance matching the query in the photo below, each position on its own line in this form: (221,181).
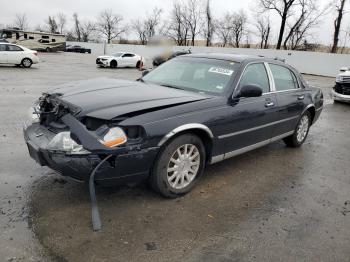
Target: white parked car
(120,59)
(17,55)
(341,90)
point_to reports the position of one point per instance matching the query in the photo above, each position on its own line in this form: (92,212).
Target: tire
(48,50)
(301,131)
(167,183)
(26,62)
(113,64)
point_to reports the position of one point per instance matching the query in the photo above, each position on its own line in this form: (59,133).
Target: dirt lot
(272,204)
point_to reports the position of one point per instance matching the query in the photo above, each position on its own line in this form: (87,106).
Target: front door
(14,54)
(127,59)
(250,120)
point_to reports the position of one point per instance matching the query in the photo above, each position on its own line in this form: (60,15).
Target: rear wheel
(113,64)
(48,49)
(26,62)
(179,165)
(301,131)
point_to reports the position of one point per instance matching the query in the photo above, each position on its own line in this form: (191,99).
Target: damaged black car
(166,127)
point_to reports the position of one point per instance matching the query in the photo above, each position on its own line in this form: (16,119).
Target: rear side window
(13,48)
(284,78)
(256,74)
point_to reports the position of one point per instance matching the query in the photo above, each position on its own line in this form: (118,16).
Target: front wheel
(26,62)
(113,64)
(179,165)
(301,131)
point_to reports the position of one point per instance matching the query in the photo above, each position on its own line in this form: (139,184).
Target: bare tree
(21,21)
(52,24)
(283,8)
(263,26)
(77,29)
(308,17)
(139,27)
(339,5)
(86,29)
(109,25)
(239,21)
(177,28)
(223,29)
(62,20)
(146,29)
(209,28)
(192,16)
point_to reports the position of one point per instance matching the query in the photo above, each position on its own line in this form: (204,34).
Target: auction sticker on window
(220,70)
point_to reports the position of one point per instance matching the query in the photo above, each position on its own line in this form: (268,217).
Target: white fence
(323,64)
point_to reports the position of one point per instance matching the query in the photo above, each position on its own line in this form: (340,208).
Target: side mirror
(250,91)
(145,72)
(344,69)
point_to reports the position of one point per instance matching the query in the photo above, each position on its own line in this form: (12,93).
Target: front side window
(256,74)
(13,48)
(2,48)
(194,74)
(284,78)
(128,55)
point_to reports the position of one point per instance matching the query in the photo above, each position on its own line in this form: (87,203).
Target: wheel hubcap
(26,62)
(303,128)
(183,166)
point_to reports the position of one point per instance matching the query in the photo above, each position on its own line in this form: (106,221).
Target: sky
(37,12)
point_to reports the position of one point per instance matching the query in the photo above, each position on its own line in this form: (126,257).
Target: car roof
(233,57)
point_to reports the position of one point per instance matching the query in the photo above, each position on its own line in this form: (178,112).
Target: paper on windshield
(220,70)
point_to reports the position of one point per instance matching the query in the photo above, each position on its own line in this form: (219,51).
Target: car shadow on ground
(137,220)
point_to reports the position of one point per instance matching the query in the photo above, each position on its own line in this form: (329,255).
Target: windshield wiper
(171,86)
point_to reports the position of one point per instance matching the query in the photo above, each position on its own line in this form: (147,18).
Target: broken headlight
(115,136)
(34,113)
(63,142)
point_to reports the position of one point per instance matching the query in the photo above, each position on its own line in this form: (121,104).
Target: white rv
(40,41)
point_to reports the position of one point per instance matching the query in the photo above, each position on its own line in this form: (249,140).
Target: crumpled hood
(107,98)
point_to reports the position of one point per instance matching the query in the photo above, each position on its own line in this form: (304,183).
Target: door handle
(301,97)
(269,104)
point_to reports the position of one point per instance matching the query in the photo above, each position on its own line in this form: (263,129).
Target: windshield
(117,54)
(194,74)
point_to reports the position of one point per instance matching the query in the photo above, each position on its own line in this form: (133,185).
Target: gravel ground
(271,204)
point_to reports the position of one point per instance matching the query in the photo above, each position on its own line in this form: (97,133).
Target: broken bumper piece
(125,167)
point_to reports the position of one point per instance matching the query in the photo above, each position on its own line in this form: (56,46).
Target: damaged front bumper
(126,166)
(340,97)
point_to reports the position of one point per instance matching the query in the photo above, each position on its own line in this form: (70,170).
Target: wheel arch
(312,110)
(202,131)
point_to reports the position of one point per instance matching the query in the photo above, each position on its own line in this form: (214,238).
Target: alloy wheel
(183,166)
(303,127)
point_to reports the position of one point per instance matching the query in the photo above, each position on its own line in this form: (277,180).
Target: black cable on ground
(95,215)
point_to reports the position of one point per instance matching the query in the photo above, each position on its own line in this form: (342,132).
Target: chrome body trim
(183,128)
(257,127)
(242,150)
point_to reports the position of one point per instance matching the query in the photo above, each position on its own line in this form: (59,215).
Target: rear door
(290,98)
(3,54)
(14,54)
(249,121)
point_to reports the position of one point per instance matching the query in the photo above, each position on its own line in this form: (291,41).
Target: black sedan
(77,49)
(191,111)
